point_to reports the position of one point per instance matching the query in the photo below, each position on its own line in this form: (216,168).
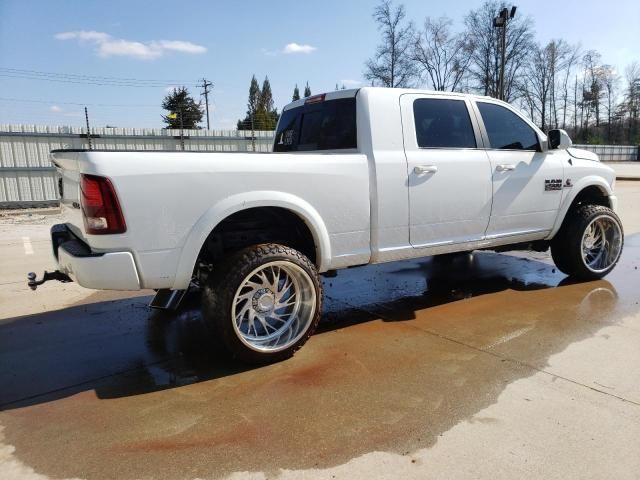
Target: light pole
(501,22)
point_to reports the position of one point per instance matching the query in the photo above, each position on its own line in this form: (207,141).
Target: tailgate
(67,166)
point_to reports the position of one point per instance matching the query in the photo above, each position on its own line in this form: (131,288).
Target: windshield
(329,125)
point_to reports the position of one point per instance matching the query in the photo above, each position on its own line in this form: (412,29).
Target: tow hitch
(57,275)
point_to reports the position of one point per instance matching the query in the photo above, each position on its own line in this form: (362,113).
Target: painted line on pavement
(28,248)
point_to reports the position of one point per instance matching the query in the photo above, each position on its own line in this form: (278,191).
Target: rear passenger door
(448,176)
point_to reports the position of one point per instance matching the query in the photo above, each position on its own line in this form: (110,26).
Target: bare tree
(537,83)
(544,83)
(592,88)
(631,103)
(392,65)
(560,63)
(571,59)
(485,53)
(610,80)
(442,56)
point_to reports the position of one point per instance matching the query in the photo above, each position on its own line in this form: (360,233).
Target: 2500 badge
(552,184)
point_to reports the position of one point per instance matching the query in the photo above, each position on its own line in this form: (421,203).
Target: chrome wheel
(274,306)
(601,243)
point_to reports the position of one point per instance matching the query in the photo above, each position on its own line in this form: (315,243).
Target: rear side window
(443,123)
(329,125)
(506,130)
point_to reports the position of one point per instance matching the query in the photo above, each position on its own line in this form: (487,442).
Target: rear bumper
(100,271)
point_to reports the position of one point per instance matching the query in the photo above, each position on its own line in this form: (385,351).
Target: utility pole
(503,54)
(181,130)
(205,85)
(253,135)
(86,117)
(501,22)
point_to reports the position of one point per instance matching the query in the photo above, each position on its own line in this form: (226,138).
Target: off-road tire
(220,288)
(566,246)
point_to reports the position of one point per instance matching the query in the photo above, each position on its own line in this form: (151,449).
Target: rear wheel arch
(215,215)
(258,225)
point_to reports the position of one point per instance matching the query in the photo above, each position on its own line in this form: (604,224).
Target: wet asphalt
(96,385)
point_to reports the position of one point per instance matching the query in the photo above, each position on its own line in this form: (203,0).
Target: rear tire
(263,303)
(589,243)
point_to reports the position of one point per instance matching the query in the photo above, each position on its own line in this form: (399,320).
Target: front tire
(263,303)
(589,244)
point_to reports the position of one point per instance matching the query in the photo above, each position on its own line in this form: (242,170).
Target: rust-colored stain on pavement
(404,352)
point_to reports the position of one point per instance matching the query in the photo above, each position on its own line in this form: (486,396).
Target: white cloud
(107,46)
(290,48)
(83,35)
(181,46)
(55,108)
(126,48)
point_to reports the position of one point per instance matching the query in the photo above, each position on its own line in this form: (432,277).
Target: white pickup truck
(356,177)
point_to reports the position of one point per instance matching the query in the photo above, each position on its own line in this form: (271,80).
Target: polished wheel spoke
(274,306)
(601,243)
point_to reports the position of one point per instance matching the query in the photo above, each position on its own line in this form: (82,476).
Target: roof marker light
(315,99)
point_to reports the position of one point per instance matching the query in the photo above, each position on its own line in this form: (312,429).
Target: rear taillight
(100,207)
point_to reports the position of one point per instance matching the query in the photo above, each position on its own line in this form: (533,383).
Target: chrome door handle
(422,169)
(505,167)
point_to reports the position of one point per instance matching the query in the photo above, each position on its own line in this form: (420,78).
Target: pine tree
(183,110)
(296,94)
(253,104)
(307,90)
(266,96)
(254,97)
(261,114)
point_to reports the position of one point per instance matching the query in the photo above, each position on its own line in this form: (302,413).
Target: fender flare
(243,201)
(576,189)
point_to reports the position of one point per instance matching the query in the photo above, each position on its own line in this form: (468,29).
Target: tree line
(184,112)
(560,85)
(261,114)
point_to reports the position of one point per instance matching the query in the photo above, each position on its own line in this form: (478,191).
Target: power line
(93,79)
(81,104)
(113,82)
(101,84)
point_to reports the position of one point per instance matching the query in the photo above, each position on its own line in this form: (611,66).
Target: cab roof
(374,91)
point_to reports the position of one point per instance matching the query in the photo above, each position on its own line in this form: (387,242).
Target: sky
(173,43)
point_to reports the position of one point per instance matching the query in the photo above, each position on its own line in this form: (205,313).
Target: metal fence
(27,178)
(613,153)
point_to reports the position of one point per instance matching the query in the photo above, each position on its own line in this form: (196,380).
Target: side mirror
(558,138)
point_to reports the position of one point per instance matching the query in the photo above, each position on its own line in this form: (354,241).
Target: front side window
(326,125)
(506,130)
(443,123)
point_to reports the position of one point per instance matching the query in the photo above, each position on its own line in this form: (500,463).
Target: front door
(527,182)
(448,176)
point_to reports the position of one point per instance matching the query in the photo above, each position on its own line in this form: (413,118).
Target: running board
(166,299)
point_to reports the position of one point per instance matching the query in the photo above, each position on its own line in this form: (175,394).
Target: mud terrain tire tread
(566,246)
(219,291)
